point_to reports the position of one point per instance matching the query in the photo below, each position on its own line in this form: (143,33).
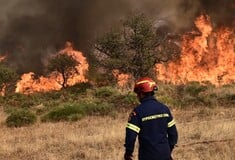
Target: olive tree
(137,48)
(65,65)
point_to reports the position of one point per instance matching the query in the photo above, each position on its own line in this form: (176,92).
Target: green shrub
(20,100)
(227,99)
(194,88)
(61,113)
(13,100)
(27,104)
(49,95)
(21,118)
(79,88)
(124,101)
(191,94)
(105,92)
(209,101)
(103,108)
(130,99)
(72,112)
(168,100)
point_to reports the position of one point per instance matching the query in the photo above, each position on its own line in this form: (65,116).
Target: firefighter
(153,123)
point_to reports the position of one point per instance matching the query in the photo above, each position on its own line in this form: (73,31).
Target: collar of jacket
(147,98)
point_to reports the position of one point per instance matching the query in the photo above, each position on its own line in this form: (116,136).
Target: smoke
(31,30)
(220,11)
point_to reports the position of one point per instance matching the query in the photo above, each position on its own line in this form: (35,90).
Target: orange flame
(122,78)
(29,84)
(3,90)
(209,56)
(82,68)
(2,58)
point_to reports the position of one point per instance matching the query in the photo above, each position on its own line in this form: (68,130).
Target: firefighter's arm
(132,130)
(172,136)
(172,132)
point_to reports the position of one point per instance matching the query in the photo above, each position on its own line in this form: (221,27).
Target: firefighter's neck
(141,96)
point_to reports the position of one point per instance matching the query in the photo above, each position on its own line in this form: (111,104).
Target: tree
(64,65)
(8,77)
(137,48)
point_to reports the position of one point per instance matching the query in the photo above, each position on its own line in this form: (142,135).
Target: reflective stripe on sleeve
(156,116)
(133,127)
(171,123)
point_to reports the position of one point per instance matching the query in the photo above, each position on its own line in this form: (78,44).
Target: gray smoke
(32,29)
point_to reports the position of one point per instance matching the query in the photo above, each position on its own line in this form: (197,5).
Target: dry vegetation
(204,134)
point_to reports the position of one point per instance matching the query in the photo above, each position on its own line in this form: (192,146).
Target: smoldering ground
(30,30)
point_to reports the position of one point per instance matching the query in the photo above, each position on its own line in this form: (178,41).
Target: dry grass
(102,138)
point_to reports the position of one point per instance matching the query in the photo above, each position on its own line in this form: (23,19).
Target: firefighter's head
(144,87)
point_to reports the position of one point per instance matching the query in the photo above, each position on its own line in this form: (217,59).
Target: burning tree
(65,65)
(137,48)
(57,66)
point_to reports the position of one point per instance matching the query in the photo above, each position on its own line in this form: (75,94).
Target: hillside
(205,131)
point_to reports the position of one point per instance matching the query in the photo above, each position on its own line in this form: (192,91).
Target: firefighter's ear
(155,88)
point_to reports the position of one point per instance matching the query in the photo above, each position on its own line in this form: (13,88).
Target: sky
(31,30)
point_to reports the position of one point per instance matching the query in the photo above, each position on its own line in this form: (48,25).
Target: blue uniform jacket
(156,130)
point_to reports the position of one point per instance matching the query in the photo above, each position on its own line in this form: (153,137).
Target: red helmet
(145,84)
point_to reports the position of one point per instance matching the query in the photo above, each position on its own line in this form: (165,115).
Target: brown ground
(204,134)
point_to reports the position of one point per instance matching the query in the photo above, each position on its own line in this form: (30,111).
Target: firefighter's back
(153,139)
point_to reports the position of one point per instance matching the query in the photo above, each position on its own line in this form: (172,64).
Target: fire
(2,58)
(122,78)
(3,90)
(208,56)
(82,68)
(29,84)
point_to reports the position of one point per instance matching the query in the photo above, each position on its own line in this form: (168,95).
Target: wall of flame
(207,56)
